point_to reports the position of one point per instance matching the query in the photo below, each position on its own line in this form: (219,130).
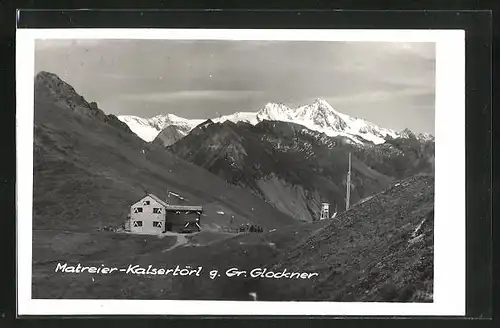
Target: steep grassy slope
(380,250)
(90,167)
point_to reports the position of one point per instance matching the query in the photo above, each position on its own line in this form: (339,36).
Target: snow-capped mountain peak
(318,116)
(322,115)
(275,112)
(162,121)
(148,128)
(322,103)
(249,117)
(409,134)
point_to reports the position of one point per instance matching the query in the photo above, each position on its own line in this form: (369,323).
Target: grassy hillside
(380,250)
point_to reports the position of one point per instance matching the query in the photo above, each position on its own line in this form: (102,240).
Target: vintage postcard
(238,172)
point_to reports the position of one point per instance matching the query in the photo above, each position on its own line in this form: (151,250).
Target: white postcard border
(449,247)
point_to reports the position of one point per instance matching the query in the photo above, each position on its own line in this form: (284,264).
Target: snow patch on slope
(140,126)
(248,117)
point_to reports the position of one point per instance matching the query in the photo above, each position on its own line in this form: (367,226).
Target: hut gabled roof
(184,208)
(162,202)
(175,207)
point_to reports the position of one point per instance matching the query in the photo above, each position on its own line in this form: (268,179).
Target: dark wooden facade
(183,218)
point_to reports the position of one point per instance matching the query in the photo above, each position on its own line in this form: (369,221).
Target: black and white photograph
(246,170)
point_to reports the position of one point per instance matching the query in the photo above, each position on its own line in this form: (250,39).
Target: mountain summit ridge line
(318,116)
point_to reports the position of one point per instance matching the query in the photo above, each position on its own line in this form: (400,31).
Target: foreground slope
(89,167)
(380,250)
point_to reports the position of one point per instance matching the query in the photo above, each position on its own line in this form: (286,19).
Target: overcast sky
(390,84)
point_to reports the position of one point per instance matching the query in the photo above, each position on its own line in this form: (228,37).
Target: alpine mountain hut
(151,215)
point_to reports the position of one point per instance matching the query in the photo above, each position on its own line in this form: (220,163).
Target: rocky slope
(50,89)
(296,169)
(170,135)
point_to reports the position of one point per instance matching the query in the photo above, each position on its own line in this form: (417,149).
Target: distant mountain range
(318,116)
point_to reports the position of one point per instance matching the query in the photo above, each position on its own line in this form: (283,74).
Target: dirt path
(181,240)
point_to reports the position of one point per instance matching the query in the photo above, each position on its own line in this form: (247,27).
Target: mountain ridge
(319,116)
(50,88)
(296,169)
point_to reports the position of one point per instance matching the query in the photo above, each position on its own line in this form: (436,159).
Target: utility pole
(348,182)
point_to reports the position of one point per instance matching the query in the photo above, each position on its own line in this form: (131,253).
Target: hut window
(137,223)
(138,210)
(157,210)
(157,224)
(146,202)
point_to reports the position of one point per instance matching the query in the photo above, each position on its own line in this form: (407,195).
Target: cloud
(131,77)
(187,95)
(425,50)
(403,95)
(59,44)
